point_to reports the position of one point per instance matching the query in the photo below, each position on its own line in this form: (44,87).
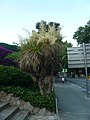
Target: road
(72,102)
(80,82)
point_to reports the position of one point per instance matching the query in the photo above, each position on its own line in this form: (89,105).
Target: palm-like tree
(38,56)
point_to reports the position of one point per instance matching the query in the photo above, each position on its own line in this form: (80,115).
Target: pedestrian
(63,80)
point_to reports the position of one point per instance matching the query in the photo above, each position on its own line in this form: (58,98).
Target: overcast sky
(16,15)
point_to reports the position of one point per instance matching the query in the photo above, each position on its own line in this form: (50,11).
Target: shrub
(35,98)
(10,75)
(4,52)
(6,61)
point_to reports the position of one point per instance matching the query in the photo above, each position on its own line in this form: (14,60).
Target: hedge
(10,75)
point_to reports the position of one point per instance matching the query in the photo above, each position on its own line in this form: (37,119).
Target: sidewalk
(73,104)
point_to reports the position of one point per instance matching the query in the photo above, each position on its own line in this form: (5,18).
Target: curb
(56,117)
(56,107)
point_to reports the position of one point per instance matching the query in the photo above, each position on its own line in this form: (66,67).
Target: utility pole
(86,74)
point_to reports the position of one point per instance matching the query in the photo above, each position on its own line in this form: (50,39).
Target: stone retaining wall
(16,101)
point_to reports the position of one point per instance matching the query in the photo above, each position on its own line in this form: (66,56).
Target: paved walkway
(73,103)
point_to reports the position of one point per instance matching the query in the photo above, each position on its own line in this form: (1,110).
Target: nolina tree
(38,56)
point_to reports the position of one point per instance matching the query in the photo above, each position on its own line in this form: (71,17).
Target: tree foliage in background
(63,55)
(47,25)
(82,35)
(10,47)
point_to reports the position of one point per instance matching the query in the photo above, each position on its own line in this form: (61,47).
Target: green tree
(63,55)
(82,35)
(46,25)
(38,56)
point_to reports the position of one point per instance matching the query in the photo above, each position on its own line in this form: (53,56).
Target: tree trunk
(50,85)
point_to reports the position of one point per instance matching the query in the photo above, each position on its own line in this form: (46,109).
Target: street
(73,104)
(80,82)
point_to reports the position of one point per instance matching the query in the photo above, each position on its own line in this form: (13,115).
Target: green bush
(13,80)
(35,98)
(10,75)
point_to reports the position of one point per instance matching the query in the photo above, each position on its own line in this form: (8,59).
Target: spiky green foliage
(39,55)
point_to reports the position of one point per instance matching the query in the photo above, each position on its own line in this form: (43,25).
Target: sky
(16,15)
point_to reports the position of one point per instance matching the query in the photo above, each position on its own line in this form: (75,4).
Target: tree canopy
(82,35)
(46,25)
